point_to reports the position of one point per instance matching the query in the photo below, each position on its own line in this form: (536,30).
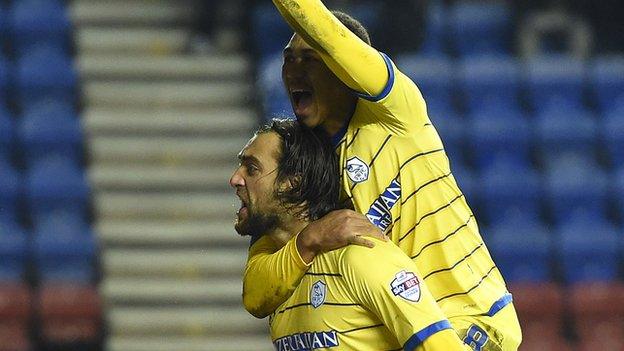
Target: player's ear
(290,183)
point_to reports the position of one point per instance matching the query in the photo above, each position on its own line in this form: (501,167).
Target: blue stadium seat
(13,251)
(555,80)
(496,131)
(5,69)
(56,184)
(435,30)
(613,134)
(565,130)
(480,27)
(486,80)
(33,22)
(50,129)
(575,184)
(7,133)
(433,76)
(607,80)
(269,32)
(10,190)
(275,101)
(64,253)
(465,179)
(618,189)
(45,73)
(521,248)
(589,248)
(508,188)
(452,131)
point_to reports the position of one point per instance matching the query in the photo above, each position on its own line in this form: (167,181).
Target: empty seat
(56,184)
(612,132)
(10,188)
(574,183)
(588,257)
(495,132)
(607,80)
(618,190)
(15,309)
(45,73)
(433,76)
(565,130)
(540,308)
(554,80)
(50,129)
(32,22)
(435,30)
(598,314)
(275,100)
(4,78)
(480,27)
(487,80)
(521,248)
(507,188)
(70,316)
(14,251)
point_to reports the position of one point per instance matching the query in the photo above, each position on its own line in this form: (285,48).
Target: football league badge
(406,285)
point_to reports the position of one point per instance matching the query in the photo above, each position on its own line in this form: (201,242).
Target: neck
(339,118)
(287,229)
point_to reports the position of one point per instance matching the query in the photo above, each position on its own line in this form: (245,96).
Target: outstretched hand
(335,230)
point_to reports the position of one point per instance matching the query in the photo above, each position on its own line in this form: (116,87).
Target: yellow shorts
(500,332)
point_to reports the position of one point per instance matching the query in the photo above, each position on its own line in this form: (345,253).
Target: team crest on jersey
(317,293)
(357,170)
(406,285)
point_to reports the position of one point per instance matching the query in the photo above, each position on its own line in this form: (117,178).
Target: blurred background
(120,121)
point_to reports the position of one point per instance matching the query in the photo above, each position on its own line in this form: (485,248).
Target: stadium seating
(15,311)
(480,27)
(540,307)
(507,188)
(32,22)
(521,247)
(612,132)
(7,132)
(490,80)
(70,316)
(607,80)
(45,72)
(575,183)
(618,190)
(434,77)
(589,249)
(275,101)
(598,314)
(552,81)
(4,78)
(13,251)
(10,183)
(498,132)
(451,128)
(50,129)
(55,184)
(435,30)
(560,130)
(269,32)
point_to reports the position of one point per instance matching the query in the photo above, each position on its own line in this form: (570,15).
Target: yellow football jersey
(360,299)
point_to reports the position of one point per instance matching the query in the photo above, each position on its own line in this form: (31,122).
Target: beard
(256,224)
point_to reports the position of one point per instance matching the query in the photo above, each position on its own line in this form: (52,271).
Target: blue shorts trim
(499,304)
(420,336)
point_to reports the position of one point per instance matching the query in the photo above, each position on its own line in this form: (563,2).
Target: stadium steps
(164,126)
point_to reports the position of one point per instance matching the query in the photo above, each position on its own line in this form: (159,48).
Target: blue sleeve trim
(388,86)
(420,336)
(499,304)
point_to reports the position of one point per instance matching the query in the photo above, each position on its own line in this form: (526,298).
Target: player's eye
(252,169)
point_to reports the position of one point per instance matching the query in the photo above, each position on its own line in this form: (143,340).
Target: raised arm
(358,65)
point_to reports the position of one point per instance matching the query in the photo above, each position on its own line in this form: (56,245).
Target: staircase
(164,126)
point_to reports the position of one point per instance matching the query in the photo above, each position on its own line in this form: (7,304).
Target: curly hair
(308,160)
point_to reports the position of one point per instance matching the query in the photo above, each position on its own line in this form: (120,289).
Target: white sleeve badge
(406,285)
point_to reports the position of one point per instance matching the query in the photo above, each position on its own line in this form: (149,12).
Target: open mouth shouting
(302,100)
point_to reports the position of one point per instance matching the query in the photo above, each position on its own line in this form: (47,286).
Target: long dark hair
(309,161)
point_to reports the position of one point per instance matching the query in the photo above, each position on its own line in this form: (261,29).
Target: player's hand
(335,230)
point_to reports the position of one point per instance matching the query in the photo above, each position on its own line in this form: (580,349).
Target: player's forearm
(357,64)
(270,279)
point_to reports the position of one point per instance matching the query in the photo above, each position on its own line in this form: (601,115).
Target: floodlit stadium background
(119,127)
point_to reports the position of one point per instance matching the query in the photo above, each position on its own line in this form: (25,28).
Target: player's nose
(236,179)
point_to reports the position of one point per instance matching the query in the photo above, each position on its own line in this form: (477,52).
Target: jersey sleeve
(385,281)
(390,97)
(271,275)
